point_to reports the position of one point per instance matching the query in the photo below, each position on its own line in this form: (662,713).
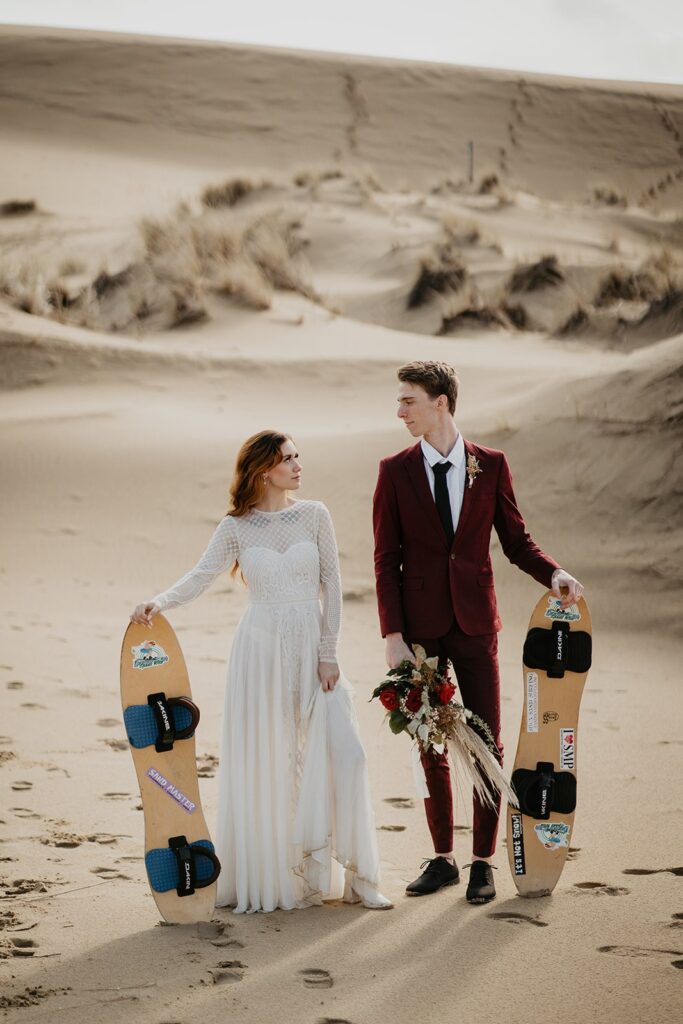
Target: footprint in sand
(108,723)
(315,977)
(23,812)
(14,684)
(462,828)
(600,889)
(641,951)
(676,921)
(574,852)
(391,828)
(108,873)
(404,802)
(23,947)
(206,766)
(227,972)
(21,785)
(653,871)
(33,706)
(64,840)
(4,740)
(332,1020)
(106,838)
(116,796)
(20,886)
(213,932)
(116,744)
(513,918)
(8,919)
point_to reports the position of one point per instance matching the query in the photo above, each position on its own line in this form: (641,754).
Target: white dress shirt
(455,479)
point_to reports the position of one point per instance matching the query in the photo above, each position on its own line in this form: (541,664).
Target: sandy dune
(117,439)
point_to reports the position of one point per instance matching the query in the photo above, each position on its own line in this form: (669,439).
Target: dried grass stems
(530,277)
(185,257)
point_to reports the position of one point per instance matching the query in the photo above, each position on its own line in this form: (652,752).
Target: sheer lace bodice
(286,557)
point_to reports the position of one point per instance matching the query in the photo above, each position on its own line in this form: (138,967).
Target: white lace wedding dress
(294,799)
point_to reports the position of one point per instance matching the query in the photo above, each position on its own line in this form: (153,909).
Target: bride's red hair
(258,454)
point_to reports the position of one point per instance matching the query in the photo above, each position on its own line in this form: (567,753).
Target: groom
(433,509)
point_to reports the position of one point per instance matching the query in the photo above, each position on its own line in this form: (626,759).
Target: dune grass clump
(531,277)
(576,323)
(183,259)
(17,207)
(473,318)
(664,316)
(631,286)
(230,192)
(518,316)
(488,184)
(440,272)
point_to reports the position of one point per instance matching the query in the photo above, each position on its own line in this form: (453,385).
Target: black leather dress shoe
(480,888)
(438,873)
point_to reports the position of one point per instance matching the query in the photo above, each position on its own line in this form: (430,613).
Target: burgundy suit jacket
(421,581)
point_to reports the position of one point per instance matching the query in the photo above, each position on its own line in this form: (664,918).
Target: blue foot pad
(162,867)
(141,725)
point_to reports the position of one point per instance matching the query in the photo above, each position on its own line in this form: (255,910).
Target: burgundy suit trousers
(475,663)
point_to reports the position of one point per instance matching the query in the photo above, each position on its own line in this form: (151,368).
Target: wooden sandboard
(538,847)
(152,662)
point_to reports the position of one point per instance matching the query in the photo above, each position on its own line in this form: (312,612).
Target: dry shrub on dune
(576,323)
(184,257)
(474,317)
(231,191)
(664,316)
(632,286)
(442,270)
(17,207)
(531,277)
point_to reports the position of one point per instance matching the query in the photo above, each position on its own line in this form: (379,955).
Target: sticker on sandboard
(553,834)
(567,749)
(557,613)
(148,654)
(168,787)
(532,702)
(518,845)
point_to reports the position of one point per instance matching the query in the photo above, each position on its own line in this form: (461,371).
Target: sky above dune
(614,39)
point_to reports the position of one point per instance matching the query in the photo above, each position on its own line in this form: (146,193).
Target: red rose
(445,691)
(389,698)
(414,699)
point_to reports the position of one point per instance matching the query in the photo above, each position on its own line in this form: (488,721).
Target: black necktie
(443,502)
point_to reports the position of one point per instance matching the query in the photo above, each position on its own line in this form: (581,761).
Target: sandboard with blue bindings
(556,659)
(160,718)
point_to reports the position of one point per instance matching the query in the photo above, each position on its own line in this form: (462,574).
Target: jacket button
(452,556)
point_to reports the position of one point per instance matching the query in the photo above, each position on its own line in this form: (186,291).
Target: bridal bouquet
(420,700)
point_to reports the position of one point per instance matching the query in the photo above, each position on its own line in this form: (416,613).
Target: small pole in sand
(470,154)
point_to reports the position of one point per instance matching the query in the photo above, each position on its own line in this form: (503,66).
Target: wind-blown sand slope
(239,106)
(116,448)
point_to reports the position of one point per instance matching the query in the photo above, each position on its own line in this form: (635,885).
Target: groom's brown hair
(436,378)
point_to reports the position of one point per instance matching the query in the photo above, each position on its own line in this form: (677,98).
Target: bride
(295,818)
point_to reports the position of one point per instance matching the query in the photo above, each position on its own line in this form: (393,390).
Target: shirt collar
(456,455)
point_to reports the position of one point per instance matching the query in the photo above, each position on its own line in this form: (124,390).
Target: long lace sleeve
(330,582)
(221,552)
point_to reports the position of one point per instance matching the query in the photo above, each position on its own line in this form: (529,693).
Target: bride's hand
(328,674)
(144,613)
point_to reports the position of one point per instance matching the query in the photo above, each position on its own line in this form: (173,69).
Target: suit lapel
(467,495)
(418,477)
